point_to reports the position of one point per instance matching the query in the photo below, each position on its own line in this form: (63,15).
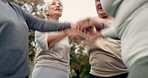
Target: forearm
(40,24)
(105,26)
(44,25)
(53,39)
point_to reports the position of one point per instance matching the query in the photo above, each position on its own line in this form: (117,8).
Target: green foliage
(79,60)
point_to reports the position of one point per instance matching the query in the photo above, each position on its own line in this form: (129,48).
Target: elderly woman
(131,27)
(111,66)
(52,55)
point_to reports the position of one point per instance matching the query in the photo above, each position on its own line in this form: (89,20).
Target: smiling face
(54,8)
(99,9)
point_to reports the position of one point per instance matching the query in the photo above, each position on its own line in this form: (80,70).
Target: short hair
(47,4)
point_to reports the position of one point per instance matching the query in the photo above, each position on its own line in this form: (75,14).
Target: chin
(102,14)
(58,14)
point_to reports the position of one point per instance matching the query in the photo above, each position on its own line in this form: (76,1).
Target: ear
(46,12)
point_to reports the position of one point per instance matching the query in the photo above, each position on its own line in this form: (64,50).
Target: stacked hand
(87,28)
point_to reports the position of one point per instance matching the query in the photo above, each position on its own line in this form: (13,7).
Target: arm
(48,40)
(97,22)
(53,39)
(109,23)
(101,25)
(40,24)
(44,25)
(89,23)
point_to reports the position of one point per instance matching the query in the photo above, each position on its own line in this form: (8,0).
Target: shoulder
(15,6)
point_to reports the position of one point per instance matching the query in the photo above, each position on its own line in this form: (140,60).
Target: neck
(54,18)
(108,17)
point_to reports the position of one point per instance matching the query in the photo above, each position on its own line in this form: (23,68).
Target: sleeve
(108,32)
(43,25)
(41,40)
(40,24)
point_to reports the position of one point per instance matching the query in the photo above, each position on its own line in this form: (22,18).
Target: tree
(79,60)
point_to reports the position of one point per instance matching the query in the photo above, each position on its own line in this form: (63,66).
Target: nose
(98,2)
(58,5)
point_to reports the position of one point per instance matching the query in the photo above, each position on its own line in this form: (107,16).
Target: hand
(91,35)
(75,31)
(89,22)
(98,22)
(84,24)
(74,26)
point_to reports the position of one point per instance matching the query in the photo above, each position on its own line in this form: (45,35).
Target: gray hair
(47,4)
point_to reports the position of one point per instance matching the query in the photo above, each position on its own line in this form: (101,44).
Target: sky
(74,10)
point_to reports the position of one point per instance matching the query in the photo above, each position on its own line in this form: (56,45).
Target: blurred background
(73,11)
